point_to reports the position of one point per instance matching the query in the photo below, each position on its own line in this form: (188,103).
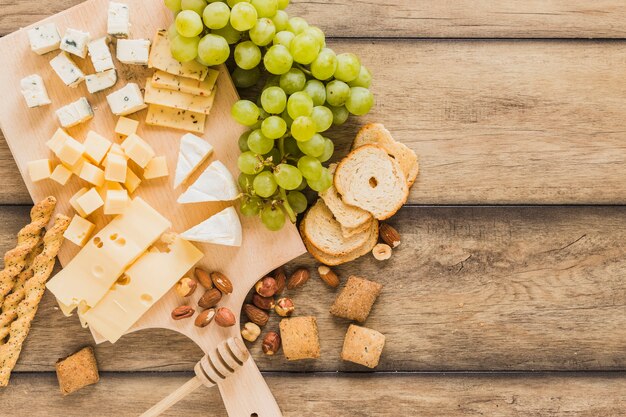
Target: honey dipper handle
(167,402)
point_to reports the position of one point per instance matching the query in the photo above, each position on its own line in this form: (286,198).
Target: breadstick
(34,289)
(27,239)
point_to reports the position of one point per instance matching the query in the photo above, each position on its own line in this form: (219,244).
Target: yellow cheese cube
(132,181)
(116,202)
(77,167)
(92,174)
(118,150)
(39,169)
(156,168)
(108,185)
(126,126)
(71,151)
(90,201)
(75,205)
(79,231)
(58,139)
(138,150)
(96,147)
(61,174)
(115,169)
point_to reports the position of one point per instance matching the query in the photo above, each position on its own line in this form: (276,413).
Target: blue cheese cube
(44,38)
(75,113)
(67,70)
(126,100)
(135,51)
(118,24)
(34,91)
(101,55)
(101,81)
(75,42)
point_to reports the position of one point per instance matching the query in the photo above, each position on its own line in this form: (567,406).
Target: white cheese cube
(79,231)
(156,168)
(75,113)
(126,126)
(90,201)
(135,51)
(116,202)
(126,100)
(96,147)
(67,70)
(39,170)
(61,174)
(100,54)
(118,24)
(44,38)
(75,42)
(101,81)
(34,91)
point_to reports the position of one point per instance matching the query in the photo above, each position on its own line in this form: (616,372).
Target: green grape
(245,182)
(259,143)
(274,127)
(316,90)
(213,49)
(273,218)
(323,183)
(363,80)
(229,33)
(243,16)
(323,118)
(287,176)
(273,156)
(310,167)
(360,101)
(314,146)
(265,8)
(287,118)
(302,185)
(173,5)
(273,100)
(337,92)
(243,141)
(172,32)
(282,4)
(231,3)
(304,48)
(249,163)
(297,25)
(284,38)
(297,201)
(245,112)
(303,128)
(251,206)
(262,114)
(216,15)
(184,49)
(246,78)
(263,32)
(265,184)
(290,147)
(329,149)
(325,64)
(340,115)
(272,81)
(189,23)
(348,67)
(278,60)
(292,81)
(280,19)
(247,55)
(195,5)
(299,104)
(317,33)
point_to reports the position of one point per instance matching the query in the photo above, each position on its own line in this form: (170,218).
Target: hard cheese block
(146,281)
(162,79)
(88,277)
(175,118)
(177,99)
(161,59)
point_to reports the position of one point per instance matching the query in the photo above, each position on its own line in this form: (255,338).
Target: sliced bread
(351,231)
(350,217)
(370,179)
(375,133)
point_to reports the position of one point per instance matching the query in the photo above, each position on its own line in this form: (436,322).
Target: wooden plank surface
(419,18)
(492,288)
(323,395)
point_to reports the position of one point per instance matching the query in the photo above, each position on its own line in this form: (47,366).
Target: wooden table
(507,296)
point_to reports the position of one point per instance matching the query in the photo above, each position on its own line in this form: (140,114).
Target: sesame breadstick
(34,289)
(27,239)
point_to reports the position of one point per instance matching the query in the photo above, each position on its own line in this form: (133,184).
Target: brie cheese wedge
(193,152)
(224,228)
(216,183)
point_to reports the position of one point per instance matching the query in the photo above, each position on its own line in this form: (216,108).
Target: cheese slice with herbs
(161,58)
(175,118)
(193,152)
(224,228)
(216,183)
(162,79)
(178,100)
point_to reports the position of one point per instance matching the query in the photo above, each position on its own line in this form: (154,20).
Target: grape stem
(304,70)
(287,207)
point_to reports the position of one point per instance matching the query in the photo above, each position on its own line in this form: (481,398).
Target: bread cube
(77,371)
(363,346)
(300,338)
(356,299)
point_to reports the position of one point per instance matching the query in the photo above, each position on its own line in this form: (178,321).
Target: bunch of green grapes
(309,89)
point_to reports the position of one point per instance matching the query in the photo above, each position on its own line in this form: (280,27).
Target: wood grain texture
(468,289)
(418,18)
(325,395)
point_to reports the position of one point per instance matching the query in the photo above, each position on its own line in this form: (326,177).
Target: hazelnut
(205,318)
(182,312)
(250,332)
(266,287)
(264,303)
(382,252)
(281,279)
(284,307)
(210,298)
(185,287)
(203,278)
(271,343)
(224,317)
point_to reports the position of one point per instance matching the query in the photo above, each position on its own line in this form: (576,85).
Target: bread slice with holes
(370,179)
(376,133)
(353,219)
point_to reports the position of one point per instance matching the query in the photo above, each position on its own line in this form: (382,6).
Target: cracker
(356,299)
(77,371)
(363,346)
(300,338)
